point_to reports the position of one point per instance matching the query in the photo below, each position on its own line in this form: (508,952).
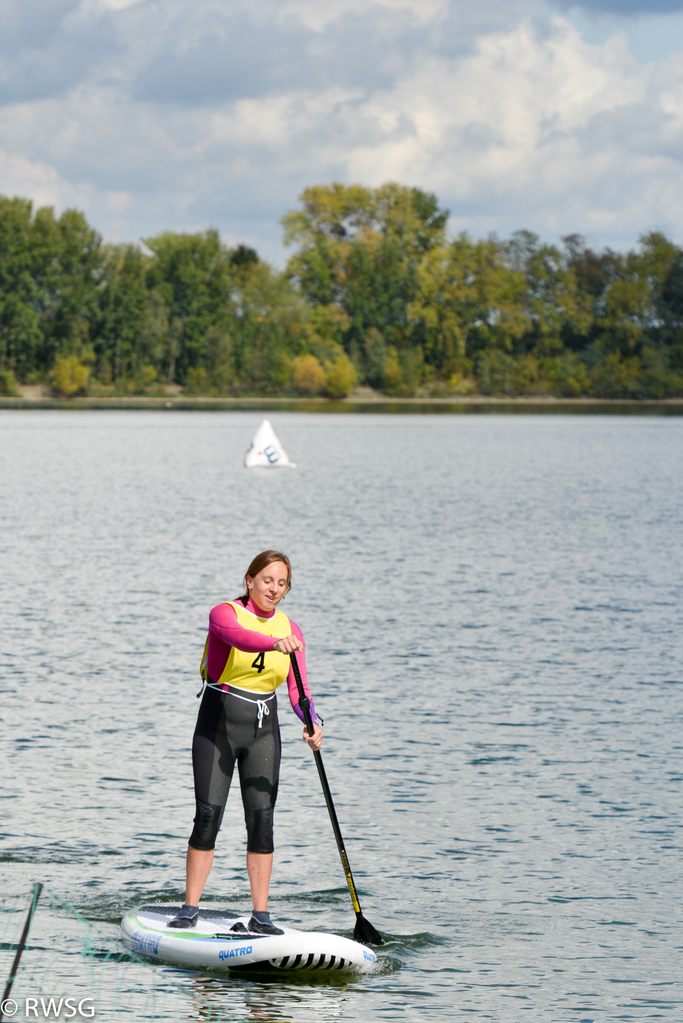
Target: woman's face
(268,587)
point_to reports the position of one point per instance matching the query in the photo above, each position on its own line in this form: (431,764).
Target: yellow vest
(264,672)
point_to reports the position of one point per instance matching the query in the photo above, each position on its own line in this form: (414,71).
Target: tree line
(375,293)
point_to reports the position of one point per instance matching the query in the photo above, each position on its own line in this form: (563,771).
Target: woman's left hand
(315,741)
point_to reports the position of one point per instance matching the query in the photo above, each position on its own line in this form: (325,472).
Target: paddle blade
(365,932)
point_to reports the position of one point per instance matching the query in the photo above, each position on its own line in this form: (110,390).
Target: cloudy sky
(155,115)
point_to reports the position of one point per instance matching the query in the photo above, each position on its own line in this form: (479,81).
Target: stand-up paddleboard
(212,944)
(266,451)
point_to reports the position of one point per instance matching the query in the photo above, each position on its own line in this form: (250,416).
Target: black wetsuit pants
(227,732)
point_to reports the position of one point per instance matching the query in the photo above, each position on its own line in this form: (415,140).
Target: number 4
(259,662)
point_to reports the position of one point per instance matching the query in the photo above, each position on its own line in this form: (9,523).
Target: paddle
(363,931)
(7,1002)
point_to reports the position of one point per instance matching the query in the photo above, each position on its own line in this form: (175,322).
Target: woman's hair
(259,563)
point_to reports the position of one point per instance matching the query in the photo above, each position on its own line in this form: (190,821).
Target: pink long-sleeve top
(226,632)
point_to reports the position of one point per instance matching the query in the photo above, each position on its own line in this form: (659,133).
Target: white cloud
(110,5)
(38,181)
(317,15)
(622,8)
(541,131)
(522,123)
(493,119)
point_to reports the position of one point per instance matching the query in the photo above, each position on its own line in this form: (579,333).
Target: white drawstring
(262,709)
(262,705)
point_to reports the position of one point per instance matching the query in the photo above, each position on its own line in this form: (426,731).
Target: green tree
(359,251)
(340,376)
(308,376)
(68,275)
(9,385)
(552,300)
(373,287)
(50,273)
(193,275)
(271,323)
(470,300)
(20,315)
(69,376)
(124,344)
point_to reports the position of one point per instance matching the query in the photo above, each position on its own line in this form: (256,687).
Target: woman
(245,659)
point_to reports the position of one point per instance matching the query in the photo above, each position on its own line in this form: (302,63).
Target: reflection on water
(278,1002)
(492,613)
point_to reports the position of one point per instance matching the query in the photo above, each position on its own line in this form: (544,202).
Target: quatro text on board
(232,953)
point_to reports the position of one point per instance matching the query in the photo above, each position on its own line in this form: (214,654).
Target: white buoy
(266,451)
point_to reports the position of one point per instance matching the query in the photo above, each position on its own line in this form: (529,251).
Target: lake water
(492,609)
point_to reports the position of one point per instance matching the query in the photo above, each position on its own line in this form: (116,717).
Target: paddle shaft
(37,889)
(305,705)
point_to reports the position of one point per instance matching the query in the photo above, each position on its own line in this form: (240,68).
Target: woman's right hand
(315,741)
(288,645)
